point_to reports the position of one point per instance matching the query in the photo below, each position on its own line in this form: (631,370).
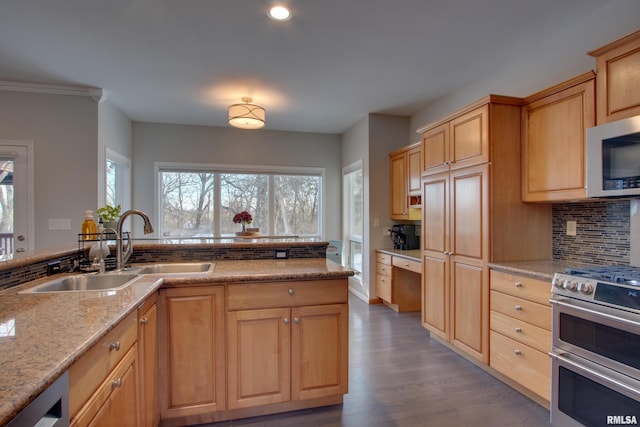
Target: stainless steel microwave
(613,159)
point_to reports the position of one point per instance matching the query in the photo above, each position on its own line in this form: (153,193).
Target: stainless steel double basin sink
(117,280)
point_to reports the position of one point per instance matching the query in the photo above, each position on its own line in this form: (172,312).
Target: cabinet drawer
(382,258)
(384,289)
(526,366)
(523,332)
(523,310)
(520,286)
(407,264)
(93,367)
(383,270)
(286,294)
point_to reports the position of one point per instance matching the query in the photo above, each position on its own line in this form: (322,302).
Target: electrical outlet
(386,230)
(571,228)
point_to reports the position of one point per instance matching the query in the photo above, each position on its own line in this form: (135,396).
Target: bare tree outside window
(281,205)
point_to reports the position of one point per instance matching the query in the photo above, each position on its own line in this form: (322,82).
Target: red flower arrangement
(243,217)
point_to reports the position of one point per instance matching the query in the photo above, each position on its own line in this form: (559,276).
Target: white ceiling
(334,61)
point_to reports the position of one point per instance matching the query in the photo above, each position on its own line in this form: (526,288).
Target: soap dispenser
(89,226)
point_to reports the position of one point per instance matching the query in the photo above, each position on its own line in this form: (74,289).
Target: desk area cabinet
(406,168)
(398,280)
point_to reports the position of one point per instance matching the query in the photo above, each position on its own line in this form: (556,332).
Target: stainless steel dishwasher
(49,409)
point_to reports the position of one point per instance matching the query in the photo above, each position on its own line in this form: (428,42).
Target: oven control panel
(573,286)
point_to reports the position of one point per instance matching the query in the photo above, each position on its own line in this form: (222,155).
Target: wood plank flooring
(399,377)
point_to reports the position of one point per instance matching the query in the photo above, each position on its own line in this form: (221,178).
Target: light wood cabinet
(406,168)
(191,351)
(618,80)
(553,140)
(521,330)
(148,357)
(472,209)
(115,402)
(460,142)
(89,376)
(398,282)
(296,351)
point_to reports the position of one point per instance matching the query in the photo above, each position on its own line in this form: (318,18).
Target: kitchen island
(42,335)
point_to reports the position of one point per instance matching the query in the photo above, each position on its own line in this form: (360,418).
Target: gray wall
(64,130)
(215,145)
(564,50)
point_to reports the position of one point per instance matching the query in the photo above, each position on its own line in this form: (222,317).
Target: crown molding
(52,89)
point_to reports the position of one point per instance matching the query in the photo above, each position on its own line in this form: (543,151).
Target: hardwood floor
(399,377)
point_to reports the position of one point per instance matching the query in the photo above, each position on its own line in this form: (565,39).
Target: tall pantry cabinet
(472,215)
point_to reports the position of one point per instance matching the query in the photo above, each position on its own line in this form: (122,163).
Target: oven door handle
(565,359)
(591,312)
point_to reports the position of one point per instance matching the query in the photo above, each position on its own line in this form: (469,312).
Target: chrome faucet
(122,255)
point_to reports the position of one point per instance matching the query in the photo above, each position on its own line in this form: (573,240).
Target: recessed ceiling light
(279,13)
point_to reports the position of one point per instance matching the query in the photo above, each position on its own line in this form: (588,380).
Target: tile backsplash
(603,232)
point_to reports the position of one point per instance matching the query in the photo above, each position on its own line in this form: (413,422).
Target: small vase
(244,228)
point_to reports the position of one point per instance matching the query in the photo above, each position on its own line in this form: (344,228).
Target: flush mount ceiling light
(279,13)
(247,115)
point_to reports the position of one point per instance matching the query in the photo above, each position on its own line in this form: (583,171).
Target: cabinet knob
(116,383)
(518,307)
(518,330)
(144,321)
(296,320)
(518,284)
(286,320)
(114,346)
(517,352)
(291,292)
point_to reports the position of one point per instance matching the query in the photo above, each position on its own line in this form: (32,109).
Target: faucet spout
(122,254)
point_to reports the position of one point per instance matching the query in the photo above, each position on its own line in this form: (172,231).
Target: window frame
(348,236)
(216,168)
(123,180)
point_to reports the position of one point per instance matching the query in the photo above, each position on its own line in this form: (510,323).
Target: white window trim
(346,237)
(124,183)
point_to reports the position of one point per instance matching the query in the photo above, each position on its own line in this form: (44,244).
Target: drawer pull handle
(518,284)
(114,346)
(517,352)
(296,320)
(518,330)
(144,321)
(286,320)
(291,292)
(116,383)
(518,308)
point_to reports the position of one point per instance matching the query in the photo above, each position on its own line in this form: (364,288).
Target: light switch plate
(60,224)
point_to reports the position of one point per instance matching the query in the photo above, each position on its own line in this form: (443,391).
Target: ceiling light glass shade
(247,115)
(279,13)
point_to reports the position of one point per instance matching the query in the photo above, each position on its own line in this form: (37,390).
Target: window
(199,201)
(117,180)
(353,214)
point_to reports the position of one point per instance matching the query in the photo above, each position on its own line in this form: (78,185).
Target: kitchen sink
(172,268)
(84,282)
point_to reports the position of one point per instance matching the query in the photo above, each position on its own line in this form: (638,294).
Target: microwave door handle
(595,313)
(580,368)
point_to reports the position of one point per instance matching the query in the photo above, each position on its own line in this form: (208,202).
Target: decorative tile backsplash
(603,232)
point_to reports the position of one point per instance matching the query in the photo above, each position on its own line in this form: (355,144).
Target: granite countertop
(414,254)
(41,335)
(538,269)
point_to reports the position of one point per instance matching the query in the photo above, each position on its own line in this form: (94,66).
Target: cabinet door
(435,149)
(115,402)
(469,144)
(259,356)
(148,356)
(435,254)
(192,359)
(399,186)
(553,154)
(414,165)
(469,204)
(319,351)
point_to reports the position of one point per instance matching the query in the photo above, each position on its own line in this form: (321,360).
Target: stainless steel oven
(596,348)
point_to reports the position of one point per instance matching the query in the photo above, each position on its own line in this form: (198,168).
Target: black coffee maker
(404,237)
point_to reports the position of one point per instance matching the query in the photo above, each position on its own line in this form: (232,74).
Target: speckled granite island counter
(41,335)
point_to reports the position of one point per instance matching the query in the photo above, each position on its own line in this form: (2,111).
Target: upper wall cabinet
(406,169)
(553,140)
(618,81)
(460,142)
